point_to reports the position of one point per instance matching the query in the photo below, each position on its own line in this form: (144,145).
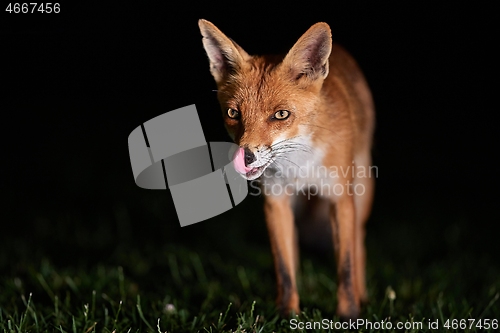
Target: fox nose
(249,156)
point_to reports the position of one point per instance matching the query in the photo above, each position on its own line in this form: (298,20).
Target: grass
(218,277)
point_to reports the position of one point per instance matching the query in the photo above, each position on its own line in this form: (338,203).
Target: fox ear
(309,55)
(225,56)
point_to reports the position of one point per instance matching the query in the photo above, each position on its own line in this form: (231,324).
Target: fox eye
(281,114)
(233,114)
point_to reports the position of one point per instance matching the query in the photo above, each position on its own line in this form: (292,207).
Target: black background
(75,84)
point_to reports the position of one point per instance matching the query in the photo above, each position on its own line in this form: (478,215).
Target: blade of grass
(141,315)
(242,275)
(490,304)
(24,315)
(198,268)
(117,313)
(45,286)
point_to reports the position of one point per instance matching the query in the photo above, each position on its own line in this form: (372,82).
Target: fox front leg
(343,226)
(281,228)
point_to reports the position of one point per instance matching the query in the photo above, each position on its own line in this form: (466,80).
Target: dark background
(75,84)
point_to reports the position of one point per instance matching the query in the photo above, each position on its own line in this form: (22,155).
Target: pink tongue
(239,161)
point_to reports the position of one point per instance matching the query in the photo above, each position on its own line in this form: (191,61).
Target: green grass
(218,277)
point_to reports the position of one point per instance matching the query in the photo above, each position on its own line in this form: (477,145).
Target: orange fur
(330,124)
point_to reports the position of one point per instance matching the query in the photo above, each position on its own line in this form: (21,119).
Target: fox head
(268,102)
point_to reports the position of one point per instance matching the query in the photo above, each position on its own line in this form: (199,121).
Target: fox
(296,119)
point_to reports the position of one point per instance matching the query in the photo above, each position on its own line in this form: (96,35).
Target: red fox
(302,120)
